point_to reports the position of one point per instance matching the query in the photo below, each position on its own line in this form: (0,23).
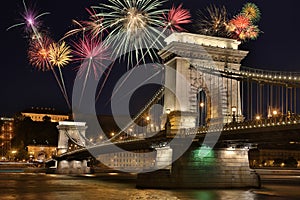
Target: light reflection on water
(60,187)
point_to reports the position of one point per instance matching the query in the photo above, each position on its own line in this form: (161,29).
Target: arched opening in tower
(202,107)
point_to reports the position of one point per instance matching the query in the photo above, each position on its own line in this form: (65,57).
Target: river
(21,186)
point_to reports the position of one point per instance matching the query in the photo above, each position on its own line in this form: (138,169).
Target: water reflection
(59,187)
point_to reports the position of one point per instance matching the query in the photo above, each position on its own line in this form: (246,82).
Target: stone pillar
(193,56)
(163,158)
(63,167)
(214,168)
(204,168)
(85,168)
(75,130)
(63,139)
(76,167)
(73,167)
(180,115)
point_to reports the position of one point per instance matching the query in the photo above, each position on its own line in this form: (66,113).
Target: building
(274,158)
(134,161)
(39,113)
(6,134)
(40,152)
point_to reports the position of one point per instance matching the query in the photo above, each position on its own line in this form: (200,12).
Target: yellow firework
(213,21)
(59,54)
(251,11)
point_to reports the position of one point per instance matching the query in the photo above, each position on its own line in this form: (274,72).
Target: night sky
(22,86)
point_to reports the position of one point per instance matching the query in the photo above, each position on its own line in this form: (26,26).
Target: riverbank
(21,167)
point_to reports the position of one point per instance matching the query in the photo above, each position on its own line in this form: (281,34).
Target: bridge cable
(257,98)
(282,107)
(295,100)
(156,97)
(286,100)
(242,97)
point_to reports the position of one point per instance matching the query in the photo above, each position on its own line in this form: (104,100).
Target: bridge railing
(233,126)
(270,73)
(280,77)
(261,123)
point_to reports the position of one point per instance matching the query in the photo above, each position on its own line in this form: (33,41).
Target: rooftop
(43,110)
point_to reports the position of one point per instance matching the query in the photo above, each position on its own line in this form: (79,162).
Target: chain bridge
(211,103)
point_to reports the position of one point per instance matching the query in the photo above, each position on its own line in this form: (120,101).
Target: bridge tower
(198,58)
(197,84)
(70,131)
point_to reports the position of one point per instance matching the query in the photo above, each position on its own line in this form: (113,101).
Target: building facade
(41,153)
(6,135)
(38,114)
(274,158)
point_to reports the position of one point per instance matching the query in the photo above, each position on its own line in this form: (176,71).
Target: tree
(46,119)
(291,162)
(278,162)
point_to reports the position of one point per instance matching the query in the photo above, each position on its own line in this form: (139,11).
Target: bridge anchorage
(214,111)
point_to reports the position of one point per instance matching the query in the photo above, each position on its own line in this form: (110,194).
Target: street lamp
(130,132)
(201,121)
(275,114)
(258,119)
(14,152)
(168,110)
(201,104)
(233,109)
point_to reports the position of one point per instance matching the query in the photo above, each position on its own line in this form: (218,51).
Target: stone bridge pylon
(70,132)
(210,97)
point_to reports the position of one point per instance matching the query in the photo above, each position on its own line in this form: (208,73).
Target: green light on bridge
(203,156)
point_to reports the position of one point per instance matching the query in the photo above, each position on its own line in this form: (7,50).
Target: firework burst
(31,22)
(132,26)
(176,17)
(213,22)
(92,54)
(240,22)
(251,11)
(74,31)
(94,27)
(59,54)
(252,32)
(39,54)
(242,26)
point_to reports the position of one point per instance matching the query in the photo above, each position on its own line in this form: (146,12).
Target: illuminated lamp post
(201,114)
(275,114)
(258,119)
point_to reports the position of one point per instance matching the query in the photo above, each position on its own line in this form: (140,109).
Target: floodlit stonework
(198,58)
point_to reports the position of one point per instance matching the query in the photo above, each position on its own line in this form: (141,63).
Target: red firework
(177,17)
(92,53)
(38,53)
(240,22)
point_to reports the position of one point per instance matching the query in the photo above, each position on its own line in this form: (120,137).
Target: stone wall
(204,168)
